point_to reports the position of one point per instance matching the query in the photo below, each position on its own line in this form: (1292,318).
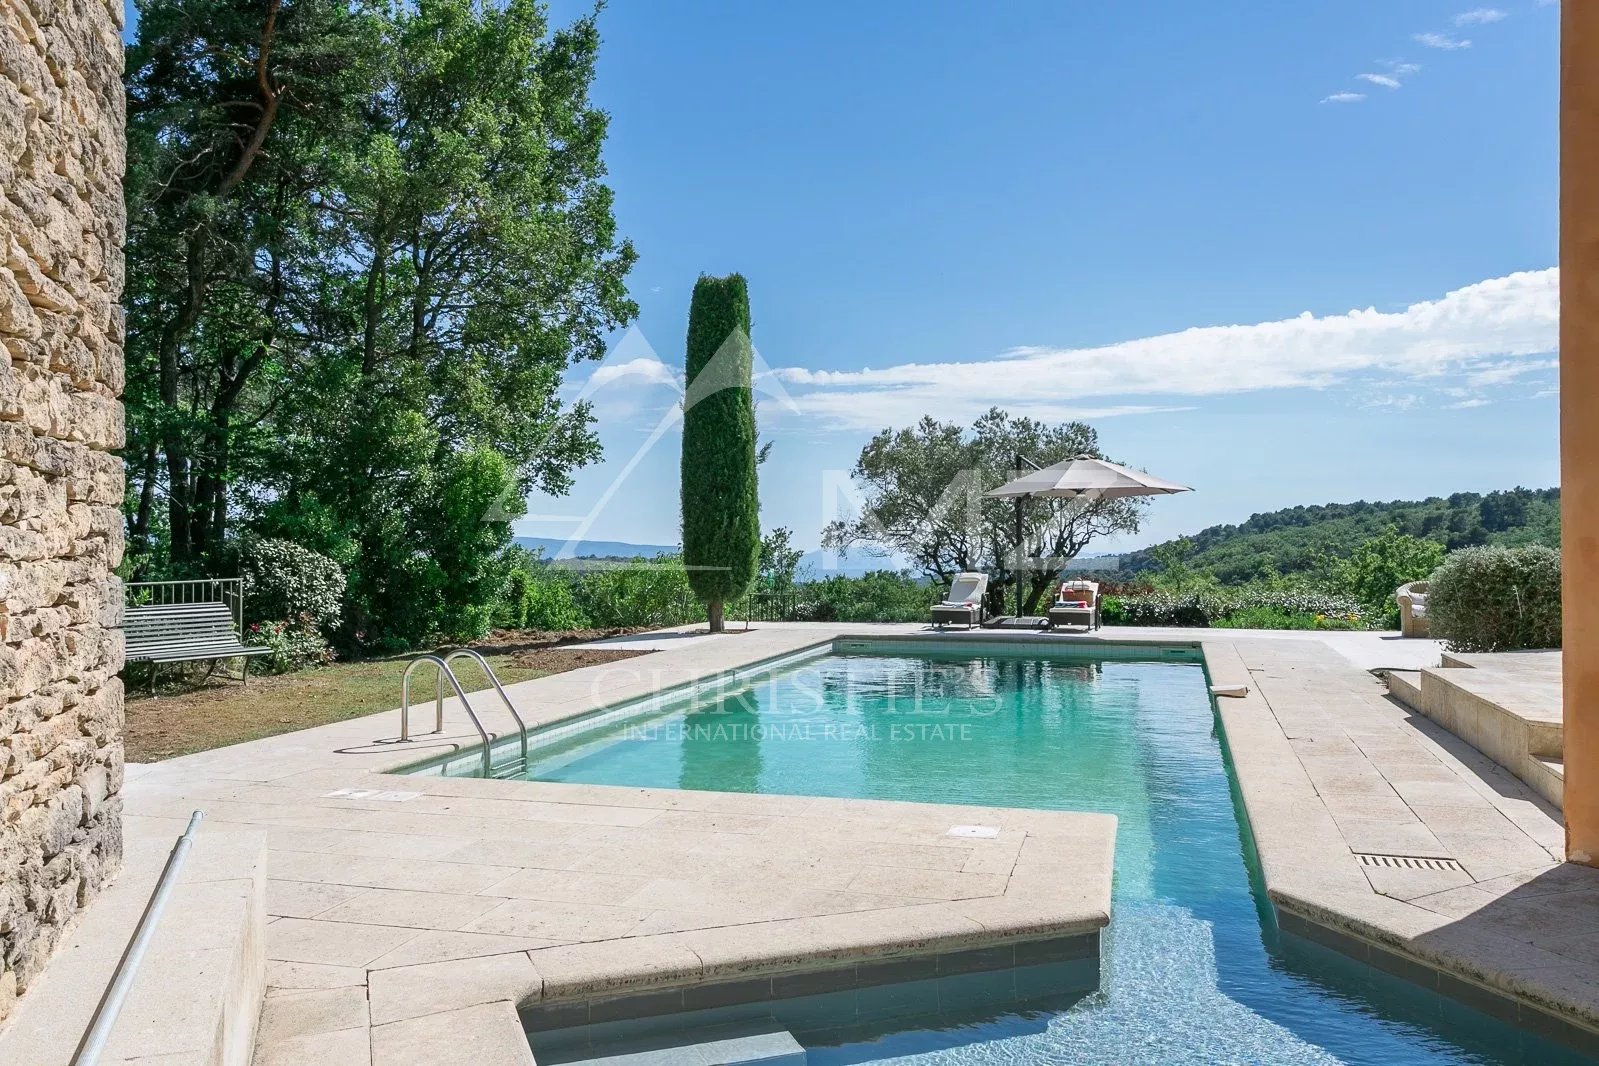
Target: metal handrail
(116,993)
(521,726)
(460,694)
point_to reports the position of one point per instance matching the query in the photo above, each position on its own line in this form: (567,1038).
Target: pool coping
(1312,878)
(1319,891)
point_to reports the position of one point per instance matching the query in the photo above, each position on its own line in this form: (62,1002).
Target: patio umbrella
(1081,475)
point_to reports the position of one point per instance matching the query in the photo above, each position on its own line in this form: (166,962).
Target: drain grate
(1409,862)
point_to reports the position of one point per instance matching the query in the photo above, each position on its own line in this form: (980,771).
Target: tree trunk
(140,535)
(713,613)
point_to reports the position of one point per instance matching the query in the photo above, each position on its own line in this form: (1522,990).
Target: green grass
(221,713)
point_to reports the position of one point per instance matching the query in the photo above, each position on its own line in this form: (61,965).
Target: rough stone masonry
(61,235)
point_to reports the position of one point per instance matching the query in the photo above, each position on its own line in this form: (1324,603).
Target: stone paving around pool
(406,920)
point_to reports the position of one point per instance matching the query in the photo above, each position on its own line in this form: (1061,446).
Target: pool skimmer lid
(984,831)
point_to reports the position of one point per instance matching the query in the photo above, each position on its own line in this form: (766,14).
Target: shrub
(285,581)
(538,597)
(876,596)
(1265,603)
(1496,599)
(295,644)
(653,593)
(1277,618)
(547,603)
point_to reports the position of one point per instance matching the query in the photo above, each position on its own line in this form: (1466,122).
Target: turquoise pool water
(1193,968)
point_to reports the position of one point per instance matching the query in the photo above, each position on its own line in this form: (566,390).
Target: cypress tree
(721,508)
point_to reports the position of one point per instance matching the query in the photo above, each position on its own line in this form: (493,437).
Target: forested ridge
(1298,540)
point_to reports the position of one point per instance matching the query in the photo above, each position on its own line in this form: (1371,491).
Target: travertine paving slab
(487,1033)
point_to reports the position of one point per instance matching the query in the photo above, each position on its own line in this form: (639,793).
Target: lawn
(202,715)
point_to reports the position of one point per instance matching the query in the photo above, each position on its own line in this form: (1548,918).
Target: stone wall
(61,230)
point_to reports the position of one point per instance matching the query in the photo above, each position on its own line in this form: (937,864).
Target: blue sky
(1052,207)
(921,191)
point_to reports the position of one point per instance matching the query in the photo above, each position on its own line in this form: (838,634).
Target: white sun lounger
(965,603)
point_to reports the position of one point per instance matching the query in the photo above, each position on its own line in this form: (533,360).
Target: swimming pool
(1193,967)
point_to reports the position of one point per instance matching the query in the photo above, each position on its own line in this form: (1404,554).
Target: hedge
(1496,599)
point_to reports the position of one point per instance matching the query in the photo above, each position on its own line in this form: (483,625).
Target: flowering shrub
(295,644)
(1276,618)
(1262,605)
(285,581)
(1496,599)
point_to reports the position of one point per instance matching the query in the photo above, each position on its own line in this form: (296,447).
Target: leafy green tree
(721,507)
(1177,575)
(779,560)
(235,110)
(370,241)
(1380,565)
(924,501)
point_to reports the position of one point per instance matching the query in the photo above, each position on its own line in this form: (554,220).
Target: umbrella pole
(1016,569)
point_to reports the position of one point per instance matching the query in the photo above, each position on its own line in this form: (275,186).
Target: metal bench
(184,632)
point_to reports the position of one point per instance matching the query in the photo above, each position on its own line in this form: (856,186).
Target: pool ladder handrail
(444,672)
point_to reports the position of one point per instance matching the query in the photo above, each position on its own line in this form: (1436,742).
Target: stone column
(1579,428)
(61,233)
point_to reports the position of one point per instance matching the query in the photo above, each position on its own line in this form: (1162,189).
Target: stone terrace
(396,921)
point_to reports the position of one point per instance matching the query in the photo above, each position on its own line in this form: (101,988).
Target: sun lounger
(1076,604)
(964,606)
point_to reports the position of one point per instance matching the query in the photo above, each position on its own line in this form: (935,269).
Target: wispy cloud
(1441,41)
(1480,334)
(1480,16)
(1343,98)
(1387,81)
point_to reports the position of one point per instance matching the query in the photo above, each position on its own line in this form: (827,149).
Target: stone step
(197,995)
(1405,686)
(737,1045)
(1509,711)
(1550,778)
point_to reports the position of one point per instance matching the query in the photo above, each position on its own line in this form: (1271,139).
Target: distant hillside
(594,549)
(811,565)
(1291,540)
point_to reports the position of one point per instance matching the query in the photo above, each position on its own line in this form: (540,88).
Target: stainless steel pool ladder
(443,673)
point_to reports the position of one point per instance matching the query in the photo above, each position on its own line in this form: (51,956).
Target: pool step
(736,1045)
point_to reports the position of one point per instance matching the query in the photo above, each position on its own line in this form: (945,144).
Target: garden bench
(184,632)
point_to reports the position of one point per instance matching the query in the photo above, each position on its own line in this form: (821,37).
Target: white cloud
(1442,41)
(645,370)
(1343,98)
(1396,402)
(1504,373)
(1480,16)
(1475,401)
(1483,329)
(1385,80)
(1400,69)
